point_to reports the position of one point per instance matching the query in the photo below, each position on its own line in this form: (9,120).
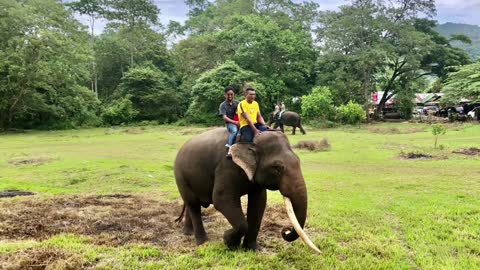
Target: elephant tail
(179,219)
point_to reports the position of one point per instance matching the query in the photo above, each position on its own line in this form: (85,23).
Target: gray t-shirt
(227,109)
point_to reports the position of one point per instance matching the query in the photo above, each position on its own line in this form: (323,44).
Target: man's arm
(260,119)
(228,120)
(223,112)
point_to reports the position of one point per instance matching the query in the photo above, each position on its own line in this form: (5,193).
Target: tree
(152,93)
(438,130)
(113,58)
(131,18)
(94,9)
(44,57)
(380,41)
(442,56)
(283,58)
(463,83)
(208,90)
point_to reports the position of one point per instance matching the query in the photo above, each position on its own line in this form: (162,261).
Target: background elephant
(204,176)
(291,119)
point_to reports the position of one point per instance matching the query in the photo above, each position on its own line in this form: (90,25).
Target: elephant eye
(278,169)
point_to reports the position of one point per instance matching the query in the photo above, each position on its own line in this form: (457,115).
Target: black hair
(228,88)
(250,89)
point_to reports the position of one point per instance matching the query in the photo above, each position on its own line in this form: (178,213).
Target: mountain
(472,31)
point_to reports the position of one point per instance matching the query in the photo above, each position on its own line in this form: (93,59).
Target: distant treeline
(57,73)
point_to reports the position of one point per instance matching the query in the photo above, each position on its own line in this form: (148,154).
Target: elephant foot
(200,239)
(187,230)
(232,239)
(250,245)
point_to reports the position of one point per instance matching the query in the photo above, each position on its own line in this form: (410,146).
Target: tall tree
(94,9)
(131,18)
(44,55)
(463,83)
(379,37)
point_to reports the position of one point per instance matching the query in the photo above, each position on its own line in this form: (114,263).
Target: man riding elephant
(204,176)
(287,118)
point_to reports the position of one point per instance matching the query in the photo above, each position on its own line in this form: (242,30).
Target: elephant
(205,176)
(291,119)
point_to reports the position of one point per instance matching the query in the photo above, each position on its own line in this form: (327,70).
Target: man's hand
(236,123)
(257,132)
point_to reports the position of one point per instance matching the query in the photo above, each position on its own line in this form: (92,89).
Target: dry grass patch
(29,161)
(134,131)
(394,130)
(115,220)
(472,151)
(42,258)
(314,146)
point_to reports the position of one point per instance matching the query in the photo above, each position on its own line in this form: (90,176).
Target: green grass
(368,208)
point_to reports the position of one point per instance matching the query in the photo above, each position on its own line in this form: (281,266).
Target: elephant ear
(244,155)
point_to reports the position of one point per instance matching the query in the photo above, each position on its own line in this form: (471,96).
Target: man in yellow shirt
(250,118)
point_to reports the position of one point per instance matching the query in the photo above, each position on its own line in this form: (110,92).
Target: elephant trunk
(295,195)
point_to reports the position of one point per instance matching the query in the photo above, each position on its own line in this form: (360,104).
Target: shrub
(318,105)
(438,130)
(351,113)
(152,93)
(119,111)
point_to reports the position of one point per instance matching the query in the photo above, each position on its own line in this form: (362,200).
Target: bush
(119,111)
(438,130)
(351,113)
(152,93)
(318,105)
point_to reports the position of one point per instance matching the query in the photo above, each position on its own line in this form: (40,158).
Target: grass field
(106,199)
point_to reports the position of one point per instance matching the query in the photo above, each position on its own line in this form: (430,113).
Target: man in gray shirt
(228,110)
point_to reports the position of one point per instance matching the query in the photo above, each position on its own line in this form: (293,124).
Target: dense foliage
(351,113)
(463,83)
(58,73)
(318,105)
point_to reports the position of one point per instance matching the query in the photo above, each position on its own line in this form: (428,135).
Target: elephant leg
(302,130)
(257,200)
(188,226)
(281,128)
(196,219)
(294,128)
(232,210)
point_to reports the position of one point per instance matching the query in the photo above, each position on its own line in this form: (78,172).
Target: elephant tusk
(297,227)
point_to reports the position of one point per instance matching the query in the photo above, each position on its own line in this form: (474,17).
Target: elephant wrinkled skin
(204,176)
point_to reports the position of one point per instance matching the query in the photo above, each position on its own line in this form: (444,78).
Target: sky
(458,11)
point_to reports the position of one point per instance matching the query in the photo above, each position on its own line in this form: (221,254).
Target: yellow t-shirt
(252,109)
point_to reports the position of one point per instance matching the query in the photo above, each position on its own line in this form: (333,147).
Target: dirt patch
(41,258)
(415,156)
(315,146)
(134,131)
(472,151)
(14,193)
(394,130)
(120,219)
(29,161)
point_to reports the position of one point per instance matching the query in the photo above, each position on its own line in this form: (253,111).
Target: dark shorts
(247,134)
